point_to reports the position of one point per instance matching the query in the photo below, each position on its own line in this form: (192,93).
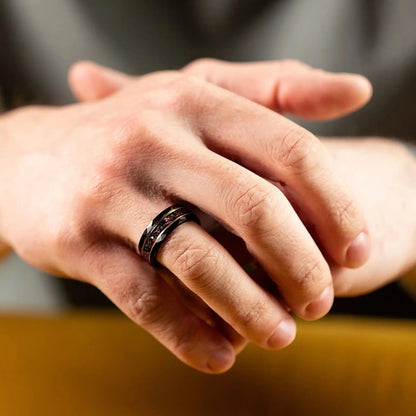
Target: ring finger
(210,272)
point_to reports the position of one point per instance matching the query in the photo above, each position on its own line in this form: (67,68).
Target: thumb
(89,81)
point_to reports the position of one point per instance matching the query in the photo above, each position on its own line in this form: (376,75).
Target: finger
(293,159)
(89,81)
(195,304)
(240,199)
(209,271)
(261,215)
(288,86)
(284,86)
(145,298)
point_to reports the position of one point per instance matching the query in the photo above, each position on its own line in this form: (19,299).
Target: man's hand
(79,184)
(285,86)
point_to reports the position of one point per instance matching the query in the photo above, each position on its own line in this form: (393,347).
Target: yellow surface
(408,281)
(4,250)
(101,364)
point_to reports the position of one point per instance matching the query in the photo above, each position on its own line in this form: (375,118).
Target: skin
(382,175)
(385,171)
(80,183)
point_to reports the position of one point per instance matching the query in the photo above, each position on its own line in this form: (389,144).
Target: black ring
(160,228)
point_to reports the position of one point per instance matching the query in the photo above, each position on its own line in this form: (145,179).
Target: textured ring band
(160,228)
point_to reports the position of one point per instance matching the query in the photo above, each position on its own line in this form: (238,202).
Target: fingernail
(221,360)
(359,251)
(321,305)
(283,335)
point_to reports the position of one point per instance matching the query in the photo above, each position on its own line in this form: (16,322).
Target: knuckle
(258,323)
(131,138)
(63,238)
(310,276)
(116,141)
(292,64)
(68,247)
(194,262)
(178,93)
(147,308)
(298,151)
(185,342)
(252,208)
(200,66)
(71,236)
(347,212)
(127,158)
(253,317)
(99,188)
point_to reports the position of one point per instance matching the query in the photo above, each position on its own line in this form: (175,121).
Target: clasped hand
(80,183)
